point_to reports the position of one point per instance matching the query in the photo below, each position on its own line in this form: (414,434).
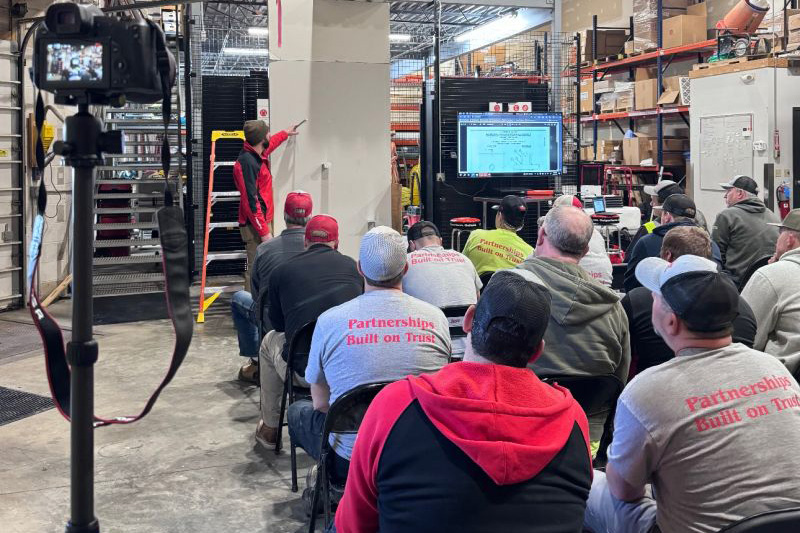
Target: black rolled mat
(16,405)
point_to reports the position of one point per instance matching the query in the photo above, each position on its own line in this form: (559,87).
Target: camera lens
(66,17)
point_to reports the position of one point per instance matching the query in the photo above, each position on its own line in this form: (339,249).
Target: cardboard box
(646,94)
(645,20)
(644,73)
(635,150)
(684,29)
(697,10)
(630,47)
(674,144)
(606,149)
(794,36)
(608,106)
(604,86)
(672,92)
(587,96)
(609,43)
(624,101)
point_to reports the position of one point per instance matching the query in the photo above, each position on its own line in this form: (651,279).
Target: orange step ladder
(213,198)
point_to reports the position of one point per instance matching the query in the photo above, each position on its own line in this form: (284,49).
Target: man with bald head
(588,330)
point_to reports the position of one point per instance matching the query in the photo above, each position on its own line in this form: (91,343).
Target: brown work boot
(249,372)
(265,435)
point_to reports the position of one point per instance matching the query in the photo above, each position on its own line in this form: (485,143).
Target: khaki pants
(251,240)
(272,371)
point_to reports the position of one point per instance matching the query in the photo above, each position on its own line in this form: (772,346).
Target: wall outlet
(370,224)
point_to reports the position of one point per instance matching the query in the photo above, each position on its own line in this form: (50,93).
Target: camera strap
(174,240)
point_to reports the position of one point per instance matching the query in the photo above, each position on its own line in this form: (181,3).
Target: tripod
(82,150)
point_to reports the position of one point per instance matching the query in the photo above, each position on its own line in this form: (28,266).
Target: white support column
(333,69)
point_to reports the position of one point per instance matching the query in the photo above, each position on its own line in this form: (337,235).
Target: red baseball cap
(322,228)
(298,204)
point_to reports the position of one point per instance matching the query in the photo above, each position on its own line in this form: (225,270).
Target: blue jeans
(606,514)
(305,429)
(246,324)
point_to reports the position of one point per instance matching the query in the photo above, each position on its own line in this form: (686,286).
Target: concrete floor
(191,465)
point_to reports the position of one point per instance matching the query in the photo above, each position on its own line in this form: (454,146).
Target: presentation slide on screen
(504,144)
(503,150)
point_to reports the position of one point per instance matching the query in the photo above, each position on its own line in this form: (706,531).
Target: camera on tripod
(85,57)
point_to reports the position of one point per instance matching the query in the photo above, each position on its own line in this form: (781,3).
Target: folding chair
(455,321)
(485,277)
(782,521)
(297,359)
(344,416)
(596,395)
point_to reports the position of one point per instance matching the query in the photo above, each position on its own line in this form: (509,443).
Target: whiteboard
(726,149)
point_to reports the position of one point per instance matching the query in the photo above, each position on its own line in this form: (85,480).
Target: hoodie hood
(505,419)
(792,255)
(576,298)
(751,205)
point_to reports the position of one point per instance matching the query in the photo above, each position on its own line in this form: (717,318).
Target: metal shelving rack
(662,58)
(134,268)
(11,219)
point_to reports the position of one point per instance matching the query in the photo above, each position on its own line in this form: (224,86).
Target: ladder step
(225,194)
(224,164)
(128,260)
(127,195)
(115,243)
(121,279)
(128,288)
(223,225)
(126,225)
(225,256)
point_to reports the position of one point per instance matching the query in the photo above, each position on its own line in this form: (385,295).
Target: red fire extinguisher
(782,194)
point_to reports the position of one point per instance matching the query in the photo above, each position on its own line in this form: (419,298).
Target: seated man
(774,294)
(677,210)
(742,230)
(647,347)
(444,278)
(482,445)
(710,429)
(663,190)
(248,308)
(596,262)
(492,250)
(382,335)
(588,332)
(300,290)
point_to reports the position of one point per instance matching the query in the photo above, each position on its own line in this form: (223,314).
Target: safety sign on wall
(262,107)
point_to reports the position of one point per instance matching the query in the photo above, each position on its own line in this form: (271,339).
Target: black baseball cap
(697,293)
(745,183)
(663,189)
(513,209)
(517,295)
(423,228)
(679,205)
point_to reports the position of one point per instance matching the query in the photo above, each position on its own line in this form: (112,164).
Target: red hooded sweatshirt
(254,182)
(474,447)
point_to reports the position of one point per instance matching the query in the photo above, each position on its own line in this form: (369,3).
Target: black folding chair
(455,321)
(618,276)
(764,261)
(297,359)
(596,395)
(782,521)
(344,416)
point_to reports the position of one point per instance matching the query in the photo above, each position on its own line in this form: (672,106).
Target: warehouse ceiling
(225,26)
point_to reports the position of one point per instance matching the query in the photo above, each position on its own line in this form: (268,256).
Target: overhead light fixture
(495,30)
(399,37)
(245,51)
(258,31)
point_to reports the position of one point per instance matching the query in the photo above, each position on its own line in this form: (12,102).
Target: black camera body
(83,56)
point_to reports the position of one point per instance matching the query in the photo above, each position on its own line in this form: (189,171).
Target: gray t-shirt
(382,335)
(716,434)
(444,278)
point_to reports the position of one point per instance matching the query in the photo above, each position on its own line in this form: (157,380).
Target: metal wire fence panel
(232,52)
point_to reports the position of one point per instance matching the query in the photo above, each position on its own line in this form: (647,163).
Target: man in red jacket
(482,445)
(254,182)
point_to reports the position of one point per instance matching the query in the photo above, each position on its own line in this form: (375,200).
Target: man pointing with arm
(253,180)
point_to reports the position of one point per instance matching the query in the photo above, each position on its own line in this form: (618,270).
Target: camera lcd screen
(77,63)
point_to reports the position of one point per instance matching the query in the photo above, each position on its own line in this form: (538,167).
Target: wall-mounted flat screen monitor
(509,144)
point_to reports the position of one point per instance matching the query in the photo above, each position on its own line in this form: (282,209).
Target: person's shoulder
(421,306)
(337,312)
